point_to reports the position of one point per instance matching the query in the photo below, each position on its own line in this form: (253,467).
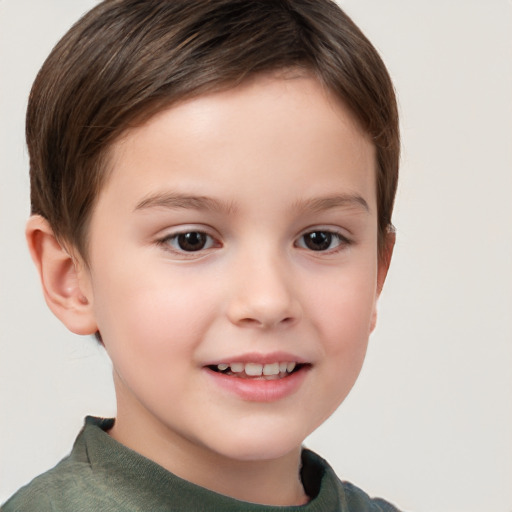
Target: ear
(63,277)
(382,270)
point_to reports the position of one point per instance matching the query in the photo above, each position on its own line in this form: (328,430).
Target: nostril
(263,311)
(250,321)
(256,322)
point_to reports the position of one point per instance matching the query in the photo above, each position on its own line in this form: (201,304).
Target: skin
(278,158)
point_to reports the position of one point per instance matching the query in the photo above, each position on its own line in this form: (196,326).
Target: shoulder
(60,489)
(71,486)
(331,493)
(359,501)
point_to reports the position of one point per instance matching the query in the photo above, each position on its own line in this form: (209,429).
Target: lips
(255,370)
(258,377)
(258,387)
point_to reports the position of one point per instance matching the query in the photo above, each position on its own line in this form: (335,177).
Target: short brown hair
(125,60)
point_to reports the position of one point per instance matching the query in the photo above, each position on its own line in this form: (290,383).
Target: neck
(267,482)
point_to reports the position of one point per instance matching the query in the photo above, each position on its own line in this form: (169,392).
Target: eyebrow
(319,204)
(177,201)
(184,201)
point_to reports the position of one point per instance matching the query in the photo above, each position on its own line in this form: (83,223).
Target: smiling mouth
(257,371)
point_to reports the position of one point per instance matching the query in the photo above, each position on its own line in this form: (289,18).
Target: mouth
(260,378)
(257,371)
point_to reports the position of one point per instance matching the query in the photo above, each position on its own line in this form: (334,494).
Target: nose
(263,294)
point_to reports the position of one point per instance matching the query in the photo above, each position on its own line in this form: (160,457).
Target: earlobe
(62,278)
(382,271)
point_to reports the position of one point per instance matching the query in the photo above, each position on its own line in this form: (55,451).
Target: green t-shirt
(101,474)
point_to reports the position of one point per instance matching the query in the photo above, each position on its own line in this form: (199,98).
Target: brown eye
(193,241)
(190,241)
(318,240)
(321,241)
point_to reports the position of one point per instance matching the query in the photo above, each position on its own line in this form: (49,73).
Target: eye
(190,241)
(321,240)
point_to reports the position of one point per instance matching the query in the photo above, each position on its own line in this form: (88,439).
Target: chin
(260,444)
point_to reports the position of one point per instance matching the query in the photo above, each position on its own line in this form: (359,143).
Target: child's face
(237,228)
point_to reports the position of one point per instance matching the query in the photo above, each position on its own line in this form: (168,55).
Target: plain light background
(429,424)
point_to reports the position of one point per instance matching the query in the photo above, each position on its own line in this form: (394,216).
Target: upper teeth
(257,369)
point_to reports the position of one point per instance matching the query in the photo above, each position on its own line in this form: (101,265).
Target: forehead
(291,125)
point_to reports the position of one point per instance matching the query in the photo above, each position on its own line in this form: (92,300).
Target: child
(212,185)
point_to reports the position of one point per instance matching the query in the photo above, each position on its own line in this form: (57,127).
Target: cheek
(344,305)
(345,328)
(343,318)
(150,315)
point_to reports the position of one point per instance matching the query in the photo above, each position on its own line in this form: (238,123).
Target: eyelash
(342,241)
(210,242)
(167,242)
